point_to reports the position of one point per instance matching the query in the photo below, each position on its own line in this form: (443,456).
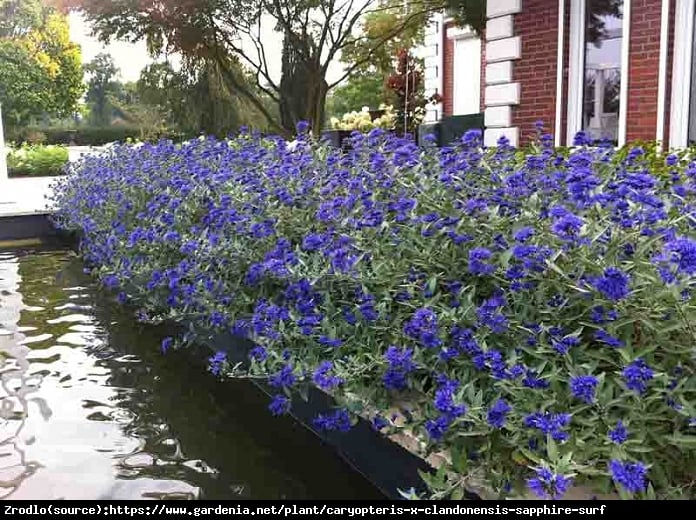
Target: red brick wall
(643,71)
(447,72)
(537,26)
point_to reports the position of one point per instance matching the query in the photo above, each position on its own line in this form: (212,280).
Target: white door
(467,76)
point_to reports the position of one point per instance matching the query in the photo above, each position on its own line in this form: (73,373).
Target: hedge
(529,315)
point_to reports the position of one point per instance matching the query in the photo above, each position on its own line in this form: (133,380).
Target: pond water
(90,408)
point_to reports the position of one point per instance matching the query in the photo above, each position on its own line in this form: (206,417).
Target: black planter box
(425,130)
(452,128)
(338,138)
(25,227)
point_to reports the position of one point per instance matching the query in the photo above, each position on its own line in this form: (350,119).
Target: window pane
(603,38)
(692,103)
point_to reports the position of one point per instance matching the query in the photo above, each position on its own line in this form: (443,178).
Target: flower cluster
(524,310)
(363,120)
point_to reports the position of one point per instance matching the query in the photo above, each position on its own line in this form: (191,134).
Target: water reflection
(90,409)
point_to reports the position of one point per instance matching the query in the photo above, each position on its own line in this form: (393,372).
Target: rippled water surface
(89,408)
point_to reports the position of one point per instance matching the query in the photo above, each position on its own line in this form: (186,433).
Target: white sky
(129,58)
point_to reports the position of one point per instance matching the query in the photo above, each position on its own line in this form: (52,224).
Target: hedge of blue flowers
(533,308)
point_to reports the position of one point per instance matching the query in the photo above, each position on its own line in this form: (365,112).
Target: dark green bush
(83,136)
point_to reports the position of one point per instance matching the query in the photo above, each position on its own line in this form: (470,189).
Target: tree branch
(381,42)
(241,88)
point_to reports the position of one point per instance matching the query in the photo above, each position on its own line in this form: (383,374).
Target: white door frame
(681,73)
(457,35)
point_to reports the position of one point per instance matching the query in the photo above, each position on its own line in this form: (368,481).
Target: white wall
(431,52)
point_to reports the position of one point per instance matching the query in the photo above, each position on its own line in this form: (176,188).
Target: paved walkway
(25,196)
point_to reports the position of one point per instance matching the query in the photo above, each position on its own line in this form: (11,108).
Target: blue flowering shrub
(530,315)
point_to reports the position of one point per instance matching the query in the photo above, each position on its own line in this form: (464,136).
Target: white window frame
(681,73)
(576,77)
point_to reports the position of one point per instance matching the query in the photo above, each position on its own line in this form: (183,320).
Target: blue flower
(636,375)
(490,314)
(629,475)
(563,345)
(568,226)
(240,328)
(280,405)
(604,337)
(523,234)
(437,428)
(614,285)
(336,421)
(284,378)
(322,377)
(379,423)
(423,327)
(330,342)
(444,399)
(548,485)
(600,315)
(217,362)
(167,344)
(682,253)
(400,365)
(497,414)
(531,380)
(618,434)
(302,127)
(258,354)
(584,388)
(477,261)
(549,423)
(110,281)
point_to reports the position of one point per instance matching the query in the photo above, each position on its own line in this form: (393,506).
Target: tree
(315,33)
(101,83)
(51,45)
(149,118)
(471,13)
(22,84)
(40,68)
(197,99)
(18,17)
(406,86)
(365,86)
(361,90)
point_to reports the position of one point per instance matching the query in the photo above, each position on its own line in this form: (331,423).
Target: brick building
(618,69)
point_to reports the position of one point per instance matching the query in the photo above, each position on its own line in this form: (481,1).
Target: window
(682,127)
(599,47)
(602,87)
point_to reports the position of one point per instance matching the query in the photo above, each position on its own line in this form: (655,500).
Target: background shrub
(82,136)
(37,160)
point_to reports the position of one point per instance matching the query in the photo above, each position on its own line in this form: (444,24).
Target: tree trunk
(303,89)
